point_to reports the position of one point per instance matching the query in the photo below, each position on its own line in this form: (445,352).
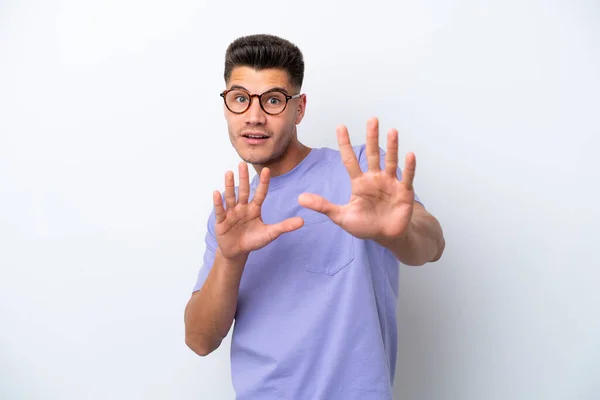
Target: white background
(112,138)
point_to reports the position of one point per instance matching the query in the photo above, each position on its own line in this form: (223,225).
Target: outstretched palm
(381,205)
(239,228)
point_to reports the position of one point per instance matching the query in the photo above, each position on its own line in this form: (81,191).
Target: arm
(383,205)
(233,233)
(422,242)
(210,312)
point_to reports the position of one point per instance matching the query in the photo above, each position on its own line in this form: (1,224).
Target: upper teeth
(256,136)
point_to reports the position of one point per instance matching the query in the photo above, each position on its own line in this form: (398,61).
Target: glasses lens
(237,100)
(273,102)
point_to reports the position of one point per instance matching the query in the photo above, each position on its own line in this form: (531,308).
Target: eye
(241,99)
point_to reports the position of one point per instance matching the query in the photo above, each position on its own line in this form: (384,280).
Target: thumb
(285,226)
(320,204)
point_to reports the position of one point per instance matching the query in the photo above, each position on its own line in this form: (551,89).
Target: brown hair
(264,51)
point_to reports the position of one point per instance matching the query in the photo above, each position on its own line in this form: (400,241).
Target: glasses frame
(251,96)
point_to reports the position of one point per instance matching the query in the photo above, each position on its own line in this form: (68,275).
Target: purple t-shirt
(316,315)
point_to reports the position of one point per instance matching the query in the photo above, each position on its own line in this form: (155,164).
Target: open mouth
(255,136)
(255,139)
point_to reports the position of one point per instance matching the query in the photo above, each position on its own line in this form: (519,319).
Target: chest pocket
(325,248)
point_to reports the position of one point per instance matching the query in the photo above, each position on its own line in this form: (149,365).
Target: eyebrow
(284,90)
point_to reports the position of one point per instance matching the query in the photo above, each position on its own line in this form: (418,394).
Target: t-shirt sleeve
(210,242)
(361,155)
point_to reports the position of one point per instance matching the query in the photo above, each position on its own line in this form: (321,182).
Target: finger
(372,150)
(219,210)
(263,187)
(285,226)
(229,190)
(321,205)
(391,155)
(408,174)
(347,153)
(244,188)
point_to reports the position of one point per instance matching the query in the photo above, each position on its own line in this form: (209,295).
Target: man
(305,256)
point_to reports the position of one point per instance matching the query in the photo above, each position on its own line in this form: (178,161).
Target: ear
(301,109)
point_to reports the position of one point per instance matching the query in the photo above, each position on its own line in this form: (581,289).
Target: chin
(260,157)
(265,154)
(255,157)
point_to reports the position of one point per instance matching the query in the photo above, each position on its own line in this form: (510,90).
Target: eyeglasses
(273,102)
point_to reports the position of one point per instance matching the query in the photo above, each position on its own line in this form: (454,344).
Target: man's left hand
(380,206)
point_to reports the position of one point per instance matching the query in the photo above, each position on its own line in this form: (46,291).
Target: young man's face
(260,138)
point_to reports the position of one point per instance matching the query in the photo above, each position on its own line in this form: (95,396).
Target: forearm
(422,242)
(210,312)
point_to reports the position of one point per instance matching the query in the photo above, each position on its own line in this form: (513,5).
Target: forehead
(259,81)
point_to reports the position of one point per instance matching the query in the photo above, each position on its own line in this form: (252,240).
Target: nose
(255,114)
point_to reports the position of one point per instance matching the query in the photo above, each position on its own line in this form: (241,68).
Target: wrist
(395,242)
(236,261)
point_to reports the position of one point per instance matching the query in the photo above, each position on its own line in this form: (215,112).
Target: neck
(295,153)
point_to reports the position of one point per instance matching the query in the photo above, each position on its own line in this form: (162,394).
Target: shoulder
(329,161)
(359,152)
(328,153)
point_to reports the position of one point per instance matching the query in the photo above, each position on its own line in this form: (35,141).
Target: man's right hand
(239,227)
